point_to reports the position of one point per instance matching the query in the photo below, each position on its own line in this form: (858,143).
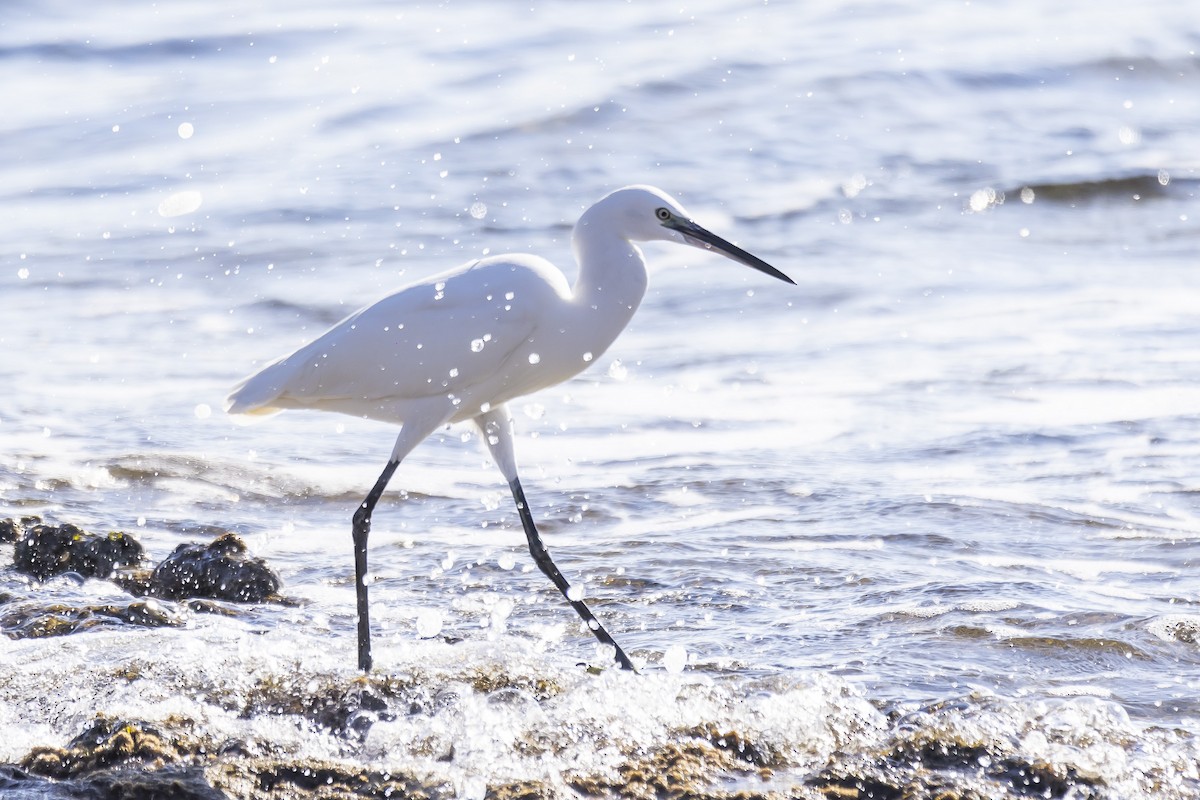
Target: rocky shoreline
(114,757)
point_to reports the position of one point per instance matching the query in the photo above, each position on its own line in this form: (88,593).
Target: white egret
(458,346)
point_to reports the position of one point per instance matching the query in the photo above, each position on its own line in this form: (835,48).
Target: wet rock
(173,783)
(31,620)
(222,570)
(951,770)
(1041,779)
(259,779)
(523,790)
(488,681)
(1182,630)
(736,744)
(856,787)
(106,743)
(12,529)
(137,580)
(339,705)
(44,551)
(676,770)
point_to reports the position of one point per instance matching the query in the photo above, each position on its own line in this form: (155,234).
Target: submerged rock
(30,620)
(222,570)
(44,551)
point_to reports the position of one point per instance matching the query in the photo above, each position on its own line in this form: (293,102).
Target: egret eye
(663,214)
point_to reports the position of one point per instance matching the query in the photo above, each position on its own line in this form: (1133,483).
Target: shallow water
(944,490)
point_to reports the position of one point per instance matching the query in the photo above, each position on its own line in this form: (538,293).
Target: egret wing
(441,336)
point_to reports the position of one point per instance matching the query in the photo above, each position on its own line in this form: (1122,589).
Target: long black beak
(700,237)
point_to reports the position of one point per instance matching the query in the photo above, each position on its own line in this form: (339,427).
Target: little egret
(458,346)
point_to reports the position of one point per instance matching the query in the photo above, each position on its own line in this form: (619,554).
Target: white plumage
(459,345)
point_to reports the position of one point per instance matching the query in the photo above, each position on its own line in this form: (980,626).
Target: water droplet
(506,561)
(575,593)
(478,210)
(983,199)
(675,659)
(477,345)
(203,411)
(429,623)
(534,358)
(186,129)
(454,372)
(180,203)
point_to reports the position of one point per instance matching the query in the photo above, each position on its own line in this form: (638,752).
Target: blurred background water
(954,468)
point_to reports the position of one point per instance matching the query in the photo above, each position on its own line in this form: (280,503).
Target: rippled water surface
(931,516)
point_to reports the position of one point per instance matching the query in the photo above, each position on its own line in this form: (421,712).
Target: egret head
(646,214)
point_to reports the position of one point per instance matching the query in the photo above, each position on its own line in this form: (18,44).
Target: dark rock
(304,779)
(172,783)
(44,551)
(932,766)
(12,529)
(138,581)
(222,570)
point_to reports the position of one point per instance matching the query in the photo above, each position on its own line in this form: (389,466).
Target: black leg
(546,565)
(362,528)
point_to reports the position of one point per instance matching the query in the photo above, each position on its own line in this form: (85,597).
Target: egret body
(458,346)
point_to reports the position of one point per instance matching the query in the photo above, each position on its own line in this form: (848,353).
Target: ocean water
(928,519)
